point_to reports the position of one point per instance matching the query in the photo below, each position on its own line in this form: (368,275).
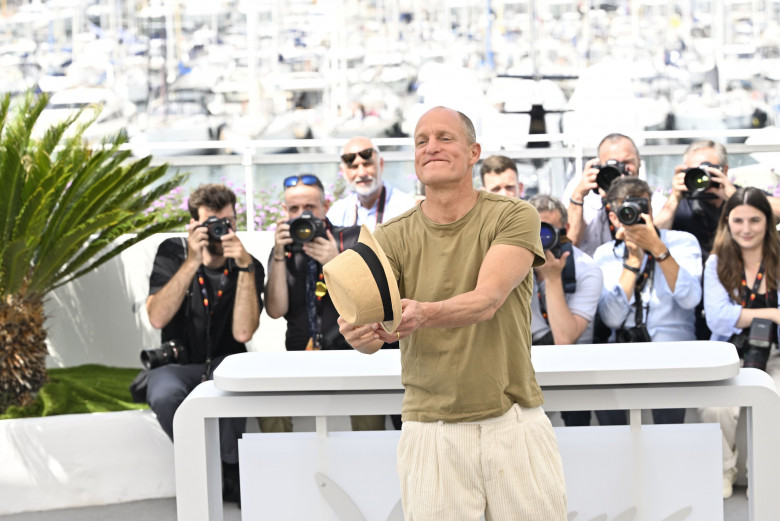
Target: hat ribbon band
(375,266)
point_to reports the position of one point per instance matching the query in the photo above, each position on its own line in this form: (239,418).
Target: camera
(697,178)
(632,334)
(754,345)
(551,238)
(168,352)
(304,229)
(555,240)
(608,172)
(630,212)
(216,227)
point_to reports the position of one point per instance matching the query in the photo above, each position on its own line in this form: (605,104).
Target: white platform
(605,377)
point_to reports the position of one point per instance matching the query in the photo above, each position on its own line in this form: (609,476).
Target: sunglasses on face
(349,158)
(307,179)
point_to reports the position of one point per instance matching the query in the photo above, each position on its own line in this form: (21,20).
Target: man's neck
(368,201)
(212,261)
(447,206)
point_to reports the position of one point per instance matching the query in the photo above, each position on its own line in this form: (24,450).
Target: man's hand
(587,181)
(232,248)
(553,267)
(320,249)
(641,238)
(281,238)
(678,182)
(362,338)
(197,240)
(726,188)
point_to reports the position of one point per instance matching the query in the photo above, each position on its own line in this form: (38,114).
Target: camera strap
(380,209)
(209,306)
(644,281)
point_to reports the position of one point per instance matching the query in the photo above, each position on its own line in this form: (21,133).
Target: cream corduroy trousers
(507,468)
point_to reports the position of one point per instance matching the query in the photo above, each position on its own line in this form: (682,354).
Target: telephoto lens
(697,178)
(608,172)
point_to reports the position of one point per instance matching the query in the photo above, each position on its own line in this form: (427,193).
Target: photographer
(740,300)
(652,279)
(296,288)
(700,186)
(205,293)
(566,288)
(589,224)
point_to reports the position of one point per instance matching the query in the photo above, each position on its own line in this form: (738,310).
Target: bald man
(371,201)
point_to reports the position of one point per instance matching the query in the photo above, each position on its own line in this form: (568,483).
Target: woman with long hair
(740,287)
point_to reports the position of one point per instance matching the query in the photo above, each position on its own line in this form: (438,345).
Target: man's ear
(476,150)
(520,190)
(613,218)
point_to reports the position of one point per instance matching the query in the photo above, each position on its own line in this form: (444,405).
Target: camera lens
(547,234)
(697,179)
(606,175)
(302,231)
(218,231)
(628,214)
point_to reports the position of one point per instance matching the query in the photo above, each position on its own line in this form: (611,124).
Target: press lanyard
(380,209)
(209,307)
(750,295)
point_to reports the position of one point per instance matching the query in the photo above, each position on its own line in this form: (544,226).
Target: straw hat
(362,286)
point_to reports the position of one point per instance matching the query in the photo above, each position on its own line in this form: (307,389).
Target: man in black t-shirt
(205,291)
(296,287)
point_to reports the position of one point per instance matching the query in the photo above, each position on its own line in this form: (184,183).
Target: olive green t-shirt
(474,372)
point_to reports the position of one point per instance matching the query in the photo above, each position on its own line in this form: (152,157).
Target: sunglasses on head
(349,158)
(306,179)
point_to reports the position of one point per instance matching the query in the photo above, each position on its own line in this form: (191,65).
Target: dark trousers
(170,384)
(582,418)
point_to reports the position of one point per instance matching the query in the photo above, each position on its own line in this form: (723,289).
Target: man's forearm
(576,223)
(163,305)
(277,300)
(246,309)
(566,327)
(664,219)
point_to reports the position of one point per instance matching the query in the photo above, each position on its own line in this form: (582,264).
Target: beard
(365,189)
(215,249)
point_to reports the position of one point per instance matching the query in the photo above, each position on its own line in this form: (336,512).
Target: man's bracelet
(277,259)
(577,203)
(631,269)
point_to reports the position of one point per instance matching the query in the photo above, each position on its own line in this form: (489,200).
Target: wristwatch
(248,269)
(665,255)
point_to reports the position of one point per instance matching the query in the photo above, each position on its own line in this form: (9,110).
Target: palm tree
(65,208)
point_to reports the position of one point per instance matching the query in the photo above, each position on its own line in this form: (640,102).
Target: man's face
(300,198)
(204,212)
(621,150)
(442,154)
(503,183)
(554,218)
(364,176)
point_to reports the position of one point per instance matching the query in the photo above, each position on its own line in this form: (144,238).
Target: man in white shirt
(372,201)
(590,226)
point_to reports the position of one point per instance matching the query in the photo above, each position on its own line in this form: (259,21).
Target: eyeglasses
(307,179)
(365,154)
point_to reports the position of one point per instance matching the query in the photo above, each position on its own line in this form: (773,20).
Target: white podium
(580,377)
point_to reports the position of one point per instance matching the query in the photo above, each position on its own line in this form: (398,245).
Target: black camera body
(632,335)
(754,344)
(172,351)
(305,229)
(216,227)
(630,212)
(697,178)
(555,240)
(608,172)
